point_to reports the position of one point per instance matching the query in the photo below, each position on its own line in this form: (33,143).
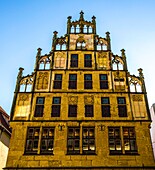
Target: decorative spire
(81,16)
(38,58)
(19,77)
(108,39)
(54,39)
(94,22)
(141,73)
(124,58)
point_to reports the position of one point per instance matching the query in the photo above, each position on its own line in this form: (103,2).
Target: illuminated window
(32,140)
(47,140)
(122,110)
(73,140)
(39,110)
(115,145)
(88,140)
(105,107)
(122,144)
(58,81)
(56,105)
(103,81)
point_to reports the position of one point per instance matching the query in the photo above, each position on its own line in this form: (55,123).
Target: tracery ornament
(135,81)
(23,99)
(42,81)
(137,98)
(59,60)
(118,61)
(88,99)
(72,99)
(44,62)
(102,60)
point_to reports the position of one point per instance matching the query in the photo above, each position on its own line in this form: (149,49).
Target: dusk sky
(26,25)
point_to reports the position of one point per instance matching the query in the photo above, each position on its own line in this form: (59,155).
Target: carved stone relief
(88,99)
(42,81)
(72,99)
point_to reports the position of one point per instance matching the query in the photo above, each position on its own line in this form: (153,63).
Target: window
(105,107)
(32,140)
(47,140)
(103,81)
(125,144)
(89,111)
(119,83)
(88,81)
(129,139)
(72,81)
(88,140)
(58,81)
(87,60)
(72,111)
(56,107)
(39,107)
(81,45)
(73,140)
(115,145)
(122,110)
(74,60)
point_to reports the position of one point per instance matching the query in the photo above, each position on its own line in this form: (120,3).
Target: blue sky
(27,25)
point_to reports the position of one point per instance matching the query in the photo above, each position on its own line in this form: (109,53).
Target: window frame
(122,108)
(72,107)
(105,107)
(88,84)
(57,83)
(88,108)
(56,107)
(72,83)
(74,62)
(88,62)
(39,108)
(104,82)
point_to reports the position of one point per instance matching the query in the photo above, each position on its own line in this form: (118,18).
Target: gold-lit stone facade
(80,108)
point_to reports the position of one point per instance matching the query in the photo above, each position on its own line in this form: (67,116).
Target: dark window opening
(122,109)
(88,81)
(72,81)
(105,106)
(87,60)
(39,110)
(56,105)
(74,60)
(58,81)
(103,81)
(72,111)
(89,111)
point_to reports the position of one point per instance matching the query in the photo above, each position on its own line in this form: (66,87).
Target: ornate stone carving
(137,98)
(42,81)
(89,99)
(72,99)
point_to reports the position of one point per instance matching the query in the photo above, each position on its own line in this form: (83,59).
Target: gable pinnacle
(81,15)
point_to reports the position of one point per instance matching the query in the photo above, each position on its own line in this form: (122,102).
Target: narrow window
(129,139)
(122,110)
(72,111)
(88,140)
(88,81)
(39,110)
(32,140)
(115,145)
(105,107)
(47,140)
(74,60)
(103,81)
(56,105)
(72,81)
(73,140)
(87,60)
(89,111)
(58,81)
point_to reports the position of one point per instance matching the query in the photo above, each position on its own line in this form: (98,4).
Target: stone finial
(20,73)
(108,39)
(141,73)
(81,15)
(39,52)
(69,19)
(123,52)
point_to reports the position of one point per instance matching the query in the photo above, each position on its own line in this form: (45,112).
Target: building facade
(152,130)
(5,135)
(80,108)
